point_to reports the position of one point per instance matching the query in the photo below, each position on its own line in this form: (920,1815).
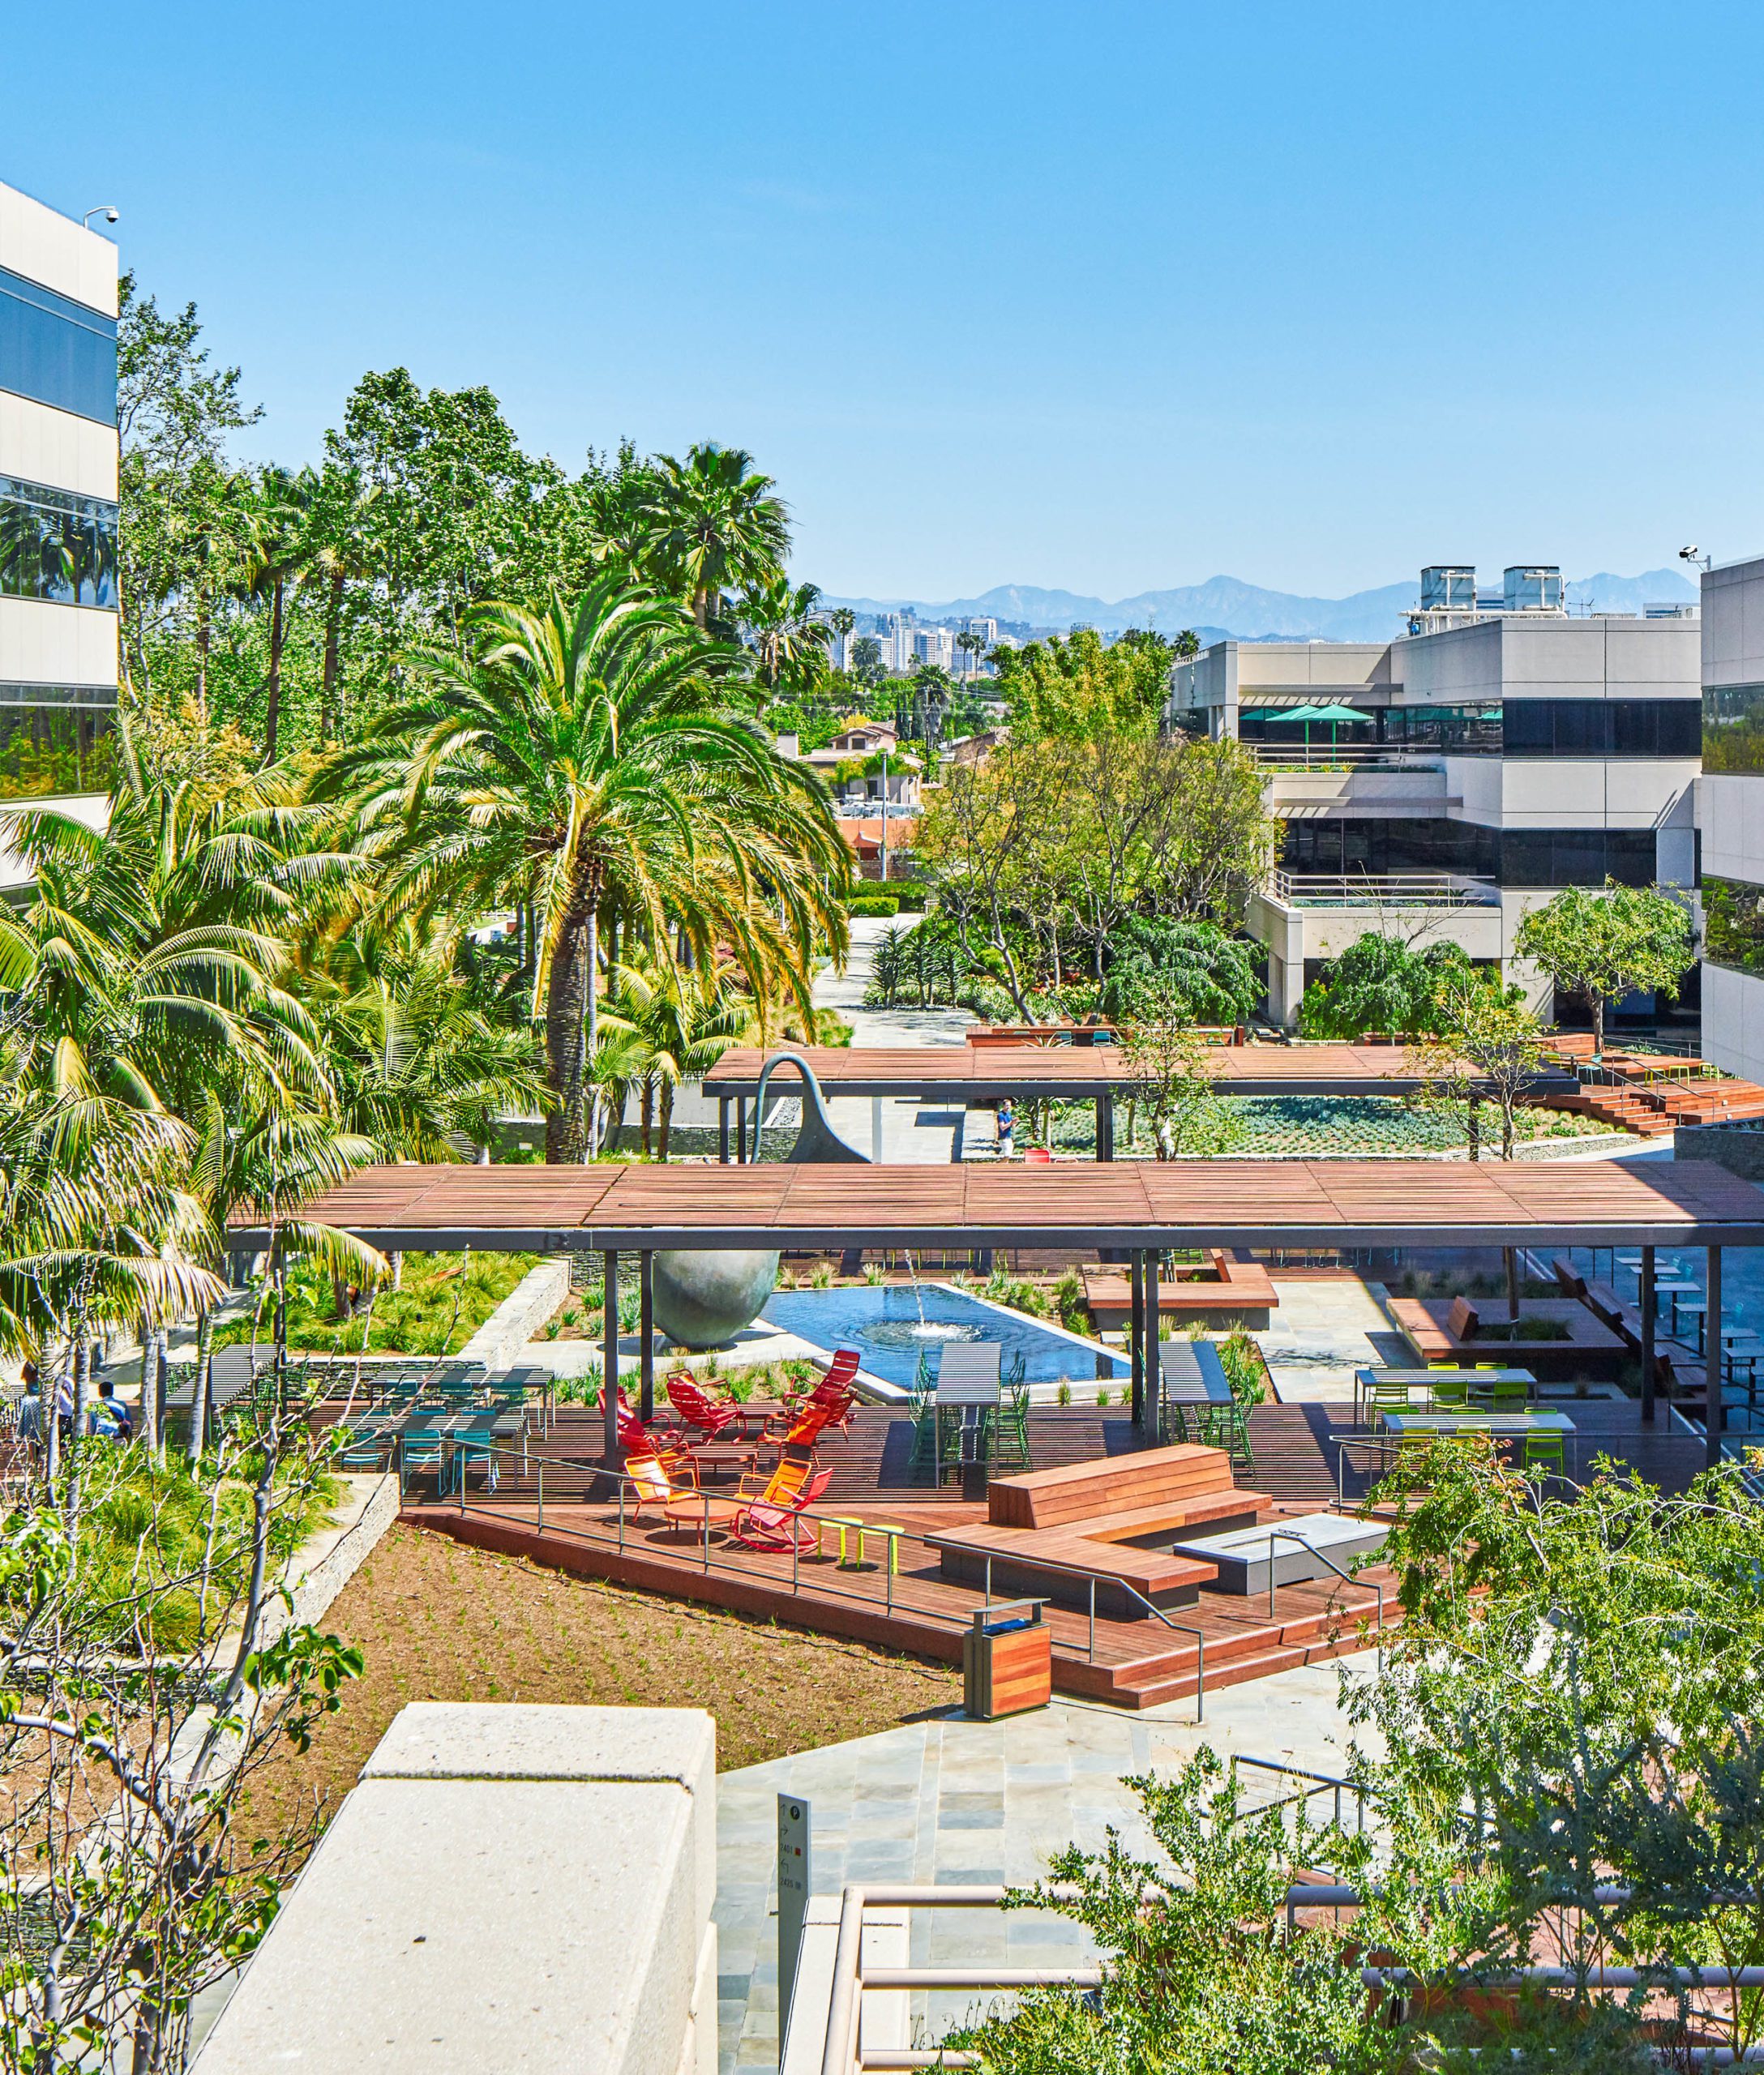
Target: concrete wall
(498,1342)
(43,644)
(92,808)
(1730,812)
(46,446)
(57,253)
(1733,625)
(506,1887)
(1731,1146)
(1733,1021)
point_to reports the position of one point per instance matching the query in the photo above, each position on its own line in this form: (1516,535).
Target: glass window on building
(56,351)
(56,546)
(1733,729)
(1733,924)
(47,749)
(1603,727)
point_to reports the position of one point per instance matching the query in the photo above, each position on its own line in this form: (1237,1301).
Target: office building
(1439,785)
(1730,816)
(58,514)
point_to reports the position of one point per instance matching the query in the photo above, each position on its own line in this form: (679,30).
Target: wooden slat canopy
(1224,1203)
(972,1073)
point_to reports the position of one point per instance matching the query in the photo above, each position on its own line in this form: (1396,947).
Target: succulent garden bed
(1329,1127)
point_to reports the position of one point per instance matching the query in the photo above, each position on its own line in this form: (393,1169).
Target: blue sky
(1107,297)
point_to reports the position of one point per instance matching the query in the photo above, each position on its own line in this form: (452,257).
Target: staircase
(1276,1645)
(1637,1099)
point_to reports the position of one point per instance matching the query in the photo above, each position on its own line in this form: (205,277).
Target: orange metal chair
(771,1528)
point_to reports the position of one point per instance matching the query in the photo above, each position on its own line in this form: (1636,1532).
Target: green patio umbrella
(1334,715)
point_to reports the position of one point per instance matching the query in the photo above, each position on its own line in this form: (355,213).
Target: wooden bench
(1052,1532)
(1230,1292)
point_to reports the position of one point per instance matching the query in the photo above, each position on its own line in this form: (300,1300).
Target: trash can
(1007,1660)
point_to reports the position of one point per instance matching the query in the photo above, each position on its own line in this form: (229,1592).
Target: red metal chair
(773,1528)
(711,1416)
(839,1374)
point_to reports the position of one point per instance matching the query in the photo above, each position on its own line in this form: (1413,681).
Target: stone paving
(948,1799)
(1322,1331)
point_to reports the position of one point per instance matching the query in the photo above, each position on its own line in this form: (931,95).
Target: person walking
(1006,1134)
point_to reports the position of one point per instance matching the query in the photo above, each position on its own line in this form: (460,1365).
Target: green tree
(1166,1065)
(1210,975)
(717,526)
(1380,984)
(866,660)
(1076,685)
(1606,943)
(598,759)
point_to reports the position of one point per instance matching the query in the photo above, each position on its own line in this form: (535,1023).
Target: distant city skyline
(1104,299)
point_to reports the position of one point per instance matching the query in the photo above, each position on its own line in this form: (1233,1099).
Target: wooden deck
(1133,1663)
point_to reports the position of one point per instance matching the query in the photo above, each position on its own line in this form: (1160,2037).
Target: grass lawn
(437,1621)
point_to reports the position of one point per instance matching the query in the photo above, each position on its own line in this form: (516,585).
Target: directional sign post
(792,1898)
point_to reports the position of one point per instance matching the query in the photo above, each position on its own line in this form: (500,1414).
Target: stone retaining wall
(499,1341)
(1732,1146)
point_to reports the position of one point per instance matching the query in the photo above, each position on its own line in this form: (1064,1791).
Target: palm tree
(276,544)
(683,1022)
(336,553)
(788,640)
(419,1071)
(842,620)
(594,759)
(717,527)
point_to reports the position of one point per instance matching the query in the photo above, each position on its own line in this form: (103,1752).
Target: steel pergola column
(1647,1335)
(609,1362)
(1713,1410)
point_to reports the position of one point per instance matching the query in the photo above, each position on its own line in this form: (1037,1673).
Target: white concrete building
(935,646)
(58,509)
(1730,816)
(1471,771)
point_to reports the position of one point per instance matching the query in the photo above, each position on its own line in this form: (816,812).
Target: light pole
(885,813)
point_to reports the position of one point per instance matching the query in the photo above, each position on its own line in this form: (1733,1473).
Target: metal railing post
(1092,1617)
(621,1515)
(541,1498)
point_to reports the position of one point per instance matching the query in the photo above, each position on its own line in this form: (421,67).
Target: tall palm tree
(683,1020)
(788,638)
(276,544)
(419,1071)
(717,527)
(594,758)
(335,553)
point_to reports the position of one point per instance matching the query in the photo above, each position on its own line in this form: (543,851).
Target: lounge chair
(773,1528)
(711,1416)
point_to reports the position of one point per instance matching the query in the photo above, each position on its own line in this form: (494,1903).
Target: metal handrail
(530,1458)
(1369,889)
(1287,1534)
(843,2052)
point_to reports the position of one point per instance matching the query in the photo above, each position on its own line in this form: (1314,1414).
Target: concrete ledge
(507,1888)
(322,1567)
(499,1341)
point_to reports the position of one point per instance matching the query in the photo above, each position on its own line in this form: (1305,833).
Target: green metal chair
(1450,1394)
(1011,1431)
(1385,1394)
(1545,1452)
(1508,1396)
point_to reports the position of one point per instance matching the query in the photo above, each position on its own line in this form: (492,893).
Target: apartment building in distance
(1439,785)
(58,513)
(1730,816)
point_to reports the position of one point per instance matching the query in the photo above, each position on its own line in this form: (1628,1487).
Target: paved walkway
(953,1800)
(1321,1332)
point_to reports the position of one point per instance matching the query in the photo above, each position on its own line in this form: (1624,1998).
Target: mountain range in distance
(1225,608)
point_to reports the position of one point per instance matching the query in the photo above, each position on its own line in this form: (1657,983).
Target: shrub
(873,904)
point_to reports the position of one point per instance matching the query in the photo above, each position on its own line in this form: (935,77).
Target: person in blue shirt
(1006,1128)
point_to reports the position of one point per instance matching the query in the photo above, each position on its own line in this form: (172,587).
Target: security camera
(1688,554)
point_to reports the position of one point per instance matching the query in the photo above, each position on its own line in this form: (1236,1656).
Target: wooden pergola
(1143,1208)
(1068,1073)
